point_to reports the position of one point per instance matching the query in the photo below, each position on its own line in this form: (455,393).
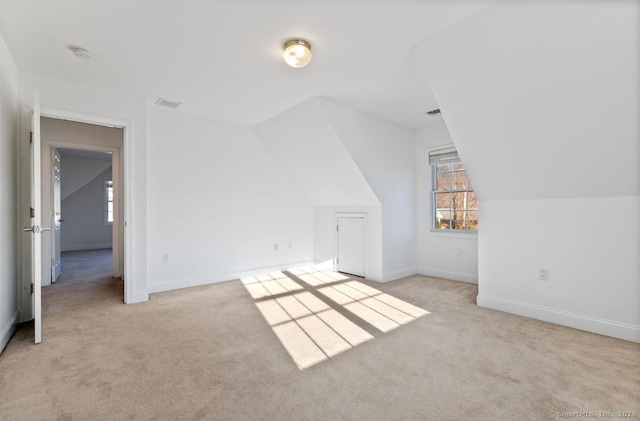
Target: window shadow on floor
(317,314)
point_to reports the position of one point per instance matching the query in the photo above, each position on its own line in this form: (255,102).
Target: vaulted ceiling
(223,59)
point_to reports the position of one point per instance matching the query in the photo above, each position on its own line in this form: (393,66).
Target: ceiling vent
(81,53)
(434,112)
(169,104)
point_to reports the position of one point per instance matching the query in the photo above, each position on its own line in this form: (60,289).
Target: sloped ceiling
(223,59)
(542,98)
(83,171)
(306,145)
(382,151)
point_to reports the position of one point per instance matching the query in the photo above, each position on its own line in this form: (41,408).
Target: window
(455,205)
(108,184)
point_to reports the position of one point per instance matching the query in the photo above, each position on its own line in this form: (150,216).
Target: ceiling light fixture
(297,53)
(81,53)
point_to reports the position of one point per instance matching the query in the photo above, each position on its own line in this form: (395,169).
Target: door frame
(24,204)
(363,215)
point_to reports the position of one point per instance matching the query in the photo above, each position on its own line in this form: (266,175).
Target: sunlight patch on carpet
(310,330)
(311,321)
(269,284)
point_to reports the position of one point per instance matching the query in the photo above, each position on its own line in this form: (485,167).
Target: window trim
(446,151)
(106,201)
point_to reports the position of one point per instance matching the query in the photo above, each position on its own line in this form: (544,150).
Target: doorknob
(35,229)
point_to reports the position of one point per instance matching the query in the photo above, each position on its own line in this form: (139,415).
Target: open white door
(351,246)
(56,220)
(36,229)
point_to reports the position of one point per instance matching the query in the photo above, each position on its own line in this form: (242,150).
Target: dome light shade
(297,53)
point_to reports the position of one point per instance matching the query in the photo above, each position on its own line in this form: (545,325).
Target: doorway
(350,253)
(35,211)
(83,197)
(82,231)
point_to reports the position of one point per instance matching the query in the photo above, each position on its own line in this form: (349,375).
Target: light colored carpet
(208,353)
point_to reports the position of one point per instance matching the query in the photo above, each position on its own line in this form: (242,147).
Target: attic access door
(351,245)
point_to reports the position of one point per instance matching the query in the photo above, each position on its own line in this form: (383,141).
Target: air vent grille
(169,104)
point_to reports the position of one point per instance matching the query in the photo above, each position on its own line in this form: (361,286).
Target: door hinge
(337,260)
(32,212)
(53,262)
(337,227)
(30,137)
(53,164)
(32,288)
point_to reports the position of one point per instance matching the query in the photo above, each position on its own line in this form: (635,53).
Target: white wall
(83,211)
(348,161)
(86,102)
(218,202)
(8,192)
(546,122)
(437,250)
(385,154)
(306,145)
(590,247)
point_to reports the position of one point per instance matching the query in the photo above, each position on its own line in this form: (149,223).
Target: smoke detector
(81,53)
(169,104)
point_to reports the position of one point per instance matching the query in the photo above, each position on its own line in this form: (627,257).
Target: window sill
(461,235)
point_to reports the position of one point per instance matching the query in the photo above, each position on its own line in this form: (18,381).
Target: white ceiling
(223,59)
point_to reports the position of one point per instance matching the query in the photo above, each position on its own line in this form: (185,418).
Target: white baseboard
(79,247)
(325,265)
(397,274)
(195,282)
(462,277)
(8,329)
(605,327)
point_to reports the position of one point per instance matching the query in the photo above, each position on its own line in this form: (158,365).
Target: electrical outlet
(275,247)
(458,252)
(543,274)
(165,258)
(290,244)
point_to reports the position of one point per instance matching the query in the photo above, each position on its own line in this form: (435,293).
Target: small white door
(36,229)
(56,222)
(351,247)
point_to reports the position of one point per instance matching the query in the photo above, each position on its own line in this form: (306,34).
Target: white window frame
(107,201)
(439,156)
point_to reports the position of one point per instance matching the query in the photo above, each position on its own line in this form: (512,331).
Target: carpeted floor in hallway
(85,266)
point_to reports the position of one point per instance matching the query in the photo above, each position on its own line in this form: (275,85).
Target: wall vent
(169,104)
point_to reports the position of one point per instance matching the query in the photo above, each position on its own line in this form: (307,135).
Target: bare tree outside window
(455,202)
